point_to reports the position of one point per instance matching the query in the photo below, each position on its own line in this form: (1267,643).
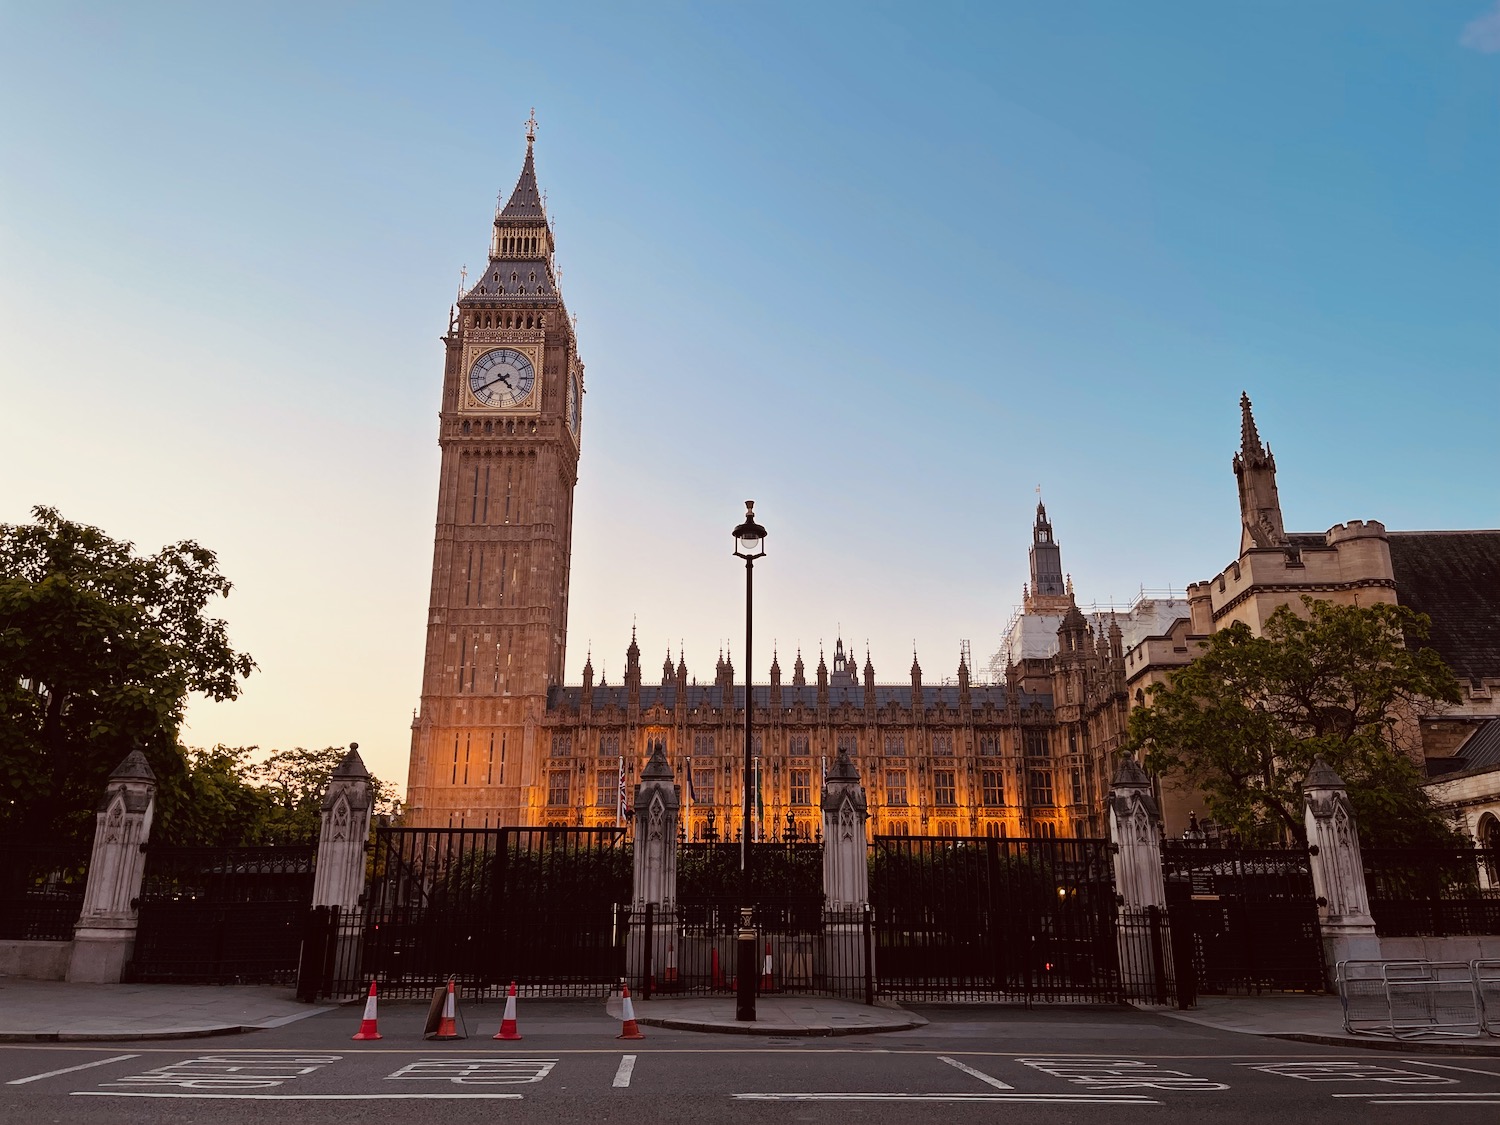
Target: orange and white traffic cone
(447,1027)
(629,1029)
(766,983)
(716,974)
(508,1021)
(367,1028)
(671,973)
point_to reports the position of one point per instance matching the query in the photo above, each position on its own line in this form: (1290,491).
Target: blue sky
(883,267)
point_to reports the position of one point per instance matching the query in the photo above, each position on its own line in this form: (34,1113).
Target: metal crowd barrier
(1420,999)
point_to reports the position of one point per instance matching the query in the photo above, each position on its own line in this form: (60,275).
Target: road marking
(1324,1070)
(1450,1066)
(979,1074)
(229,1071)
(1056,1099)
(477,1072)
(68,1070)
(627,1068)
(1447,1097)
(1120,1074)
(294,1097)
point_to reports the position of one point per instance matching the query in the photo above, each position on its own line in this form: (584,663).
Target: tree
(1243,722)
(99,650)
(229,798)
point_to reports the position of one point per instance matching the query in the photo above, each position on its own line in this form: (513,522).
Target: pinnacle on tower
(1250,445)
(526,199)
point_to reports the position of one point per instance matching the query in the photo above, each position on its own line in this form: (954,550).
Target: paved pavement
(38,1010)
(32,1011)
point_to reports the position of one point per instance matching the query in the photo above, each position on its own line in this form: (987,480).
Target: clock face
(573,404)
(503,377)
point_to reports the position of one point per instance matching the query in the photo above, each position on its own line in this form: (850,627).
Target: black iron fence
(709,872)
(1246,919)
(41,889)
(979,918)
(482,906)
(800,948)
(1433,892)
(222,915)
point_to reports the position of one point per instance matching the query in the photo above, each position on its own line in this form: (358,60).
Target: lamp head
(750,537)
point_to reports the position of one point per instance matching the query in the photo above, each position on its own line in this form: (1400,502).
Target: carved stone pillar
(1141,932)
(348,803)
(1338,871)
(104,937)
(846,871)
(657,805)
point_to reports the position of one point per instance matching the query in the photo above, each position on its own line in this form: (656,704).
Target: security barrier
(1415,999)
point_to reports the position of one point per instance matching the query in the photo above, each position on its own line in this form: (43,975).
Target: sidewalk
(37,1010)
(776,1015)
(1308,1019)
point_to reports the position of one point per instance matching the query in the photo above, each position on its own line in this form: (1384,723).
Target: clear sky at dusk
(883,267)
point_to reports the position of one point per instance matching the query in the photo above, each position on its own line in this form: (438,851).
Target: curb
(815,1031)
(1413,1046)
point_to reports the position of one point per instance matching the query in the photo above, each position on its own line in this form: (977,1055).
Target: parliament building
(1025,746)
(500,739)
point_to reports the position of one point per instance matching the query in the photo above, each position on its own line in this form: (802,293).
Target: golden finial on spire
(531,127)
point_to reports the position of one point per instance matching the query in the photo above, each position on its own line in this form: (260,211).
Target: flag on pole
(760,804)
(621,806)
(692,792)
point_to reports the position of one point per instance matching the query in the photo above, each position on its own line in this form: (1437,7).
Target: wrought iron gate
(983,918)
(484,906)
(1246,919)
(222,915)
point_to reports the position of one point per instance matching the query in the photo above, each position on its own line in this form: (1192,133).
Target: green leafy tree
(1243,722)
(99,650)
(294,782)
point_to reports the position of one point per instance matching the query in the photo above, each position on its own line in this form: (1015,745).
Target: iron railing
(800,949)
(708,872)
(41,889)
(222,915)
(1433,892)
(980,918)
(1246,919)
(484,907)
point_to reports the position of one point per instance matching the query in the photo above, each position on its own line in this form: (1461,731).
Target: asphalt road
(979,1064)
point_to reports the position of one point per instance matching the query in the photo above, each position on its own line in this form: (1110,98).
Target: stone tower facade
(509,426)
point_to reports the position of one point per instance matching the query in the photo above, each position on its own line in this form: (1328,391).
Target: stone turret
(1255,470)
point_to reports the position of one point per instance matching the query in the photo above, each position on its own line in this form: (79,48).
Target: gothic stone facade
(499,739)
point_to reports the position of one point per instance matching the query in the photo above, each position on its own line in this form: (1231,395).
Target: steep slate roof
(711,695)
(526,200)
(1482,748)
(1454,578)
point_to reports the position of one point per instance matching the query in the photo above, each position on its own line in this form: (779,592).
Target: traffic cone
(447,1027)
(766,984)
(671,973)
(629,1029)
(367,1028)
(508,1021)
(716,974)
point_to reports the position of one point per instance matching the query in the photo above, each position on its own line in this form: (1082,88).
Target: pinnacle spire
(526,199)
(1250,445)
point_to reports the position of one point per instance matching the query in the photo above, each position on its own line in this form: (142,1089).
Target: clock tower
(496,625)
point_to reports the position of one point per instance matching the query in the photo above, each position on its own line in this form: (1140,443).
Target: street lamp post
(749,544)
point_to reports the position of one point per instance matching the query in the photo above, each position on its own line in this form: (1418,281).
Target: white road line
(1055,1099)
(979,1074)
(1449,1066)
(627,1067)
(69,1070)
(1450,1100)
(296,1097)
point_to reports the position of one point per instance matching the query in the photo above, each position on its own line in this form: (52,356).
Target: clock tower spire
(509,432)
